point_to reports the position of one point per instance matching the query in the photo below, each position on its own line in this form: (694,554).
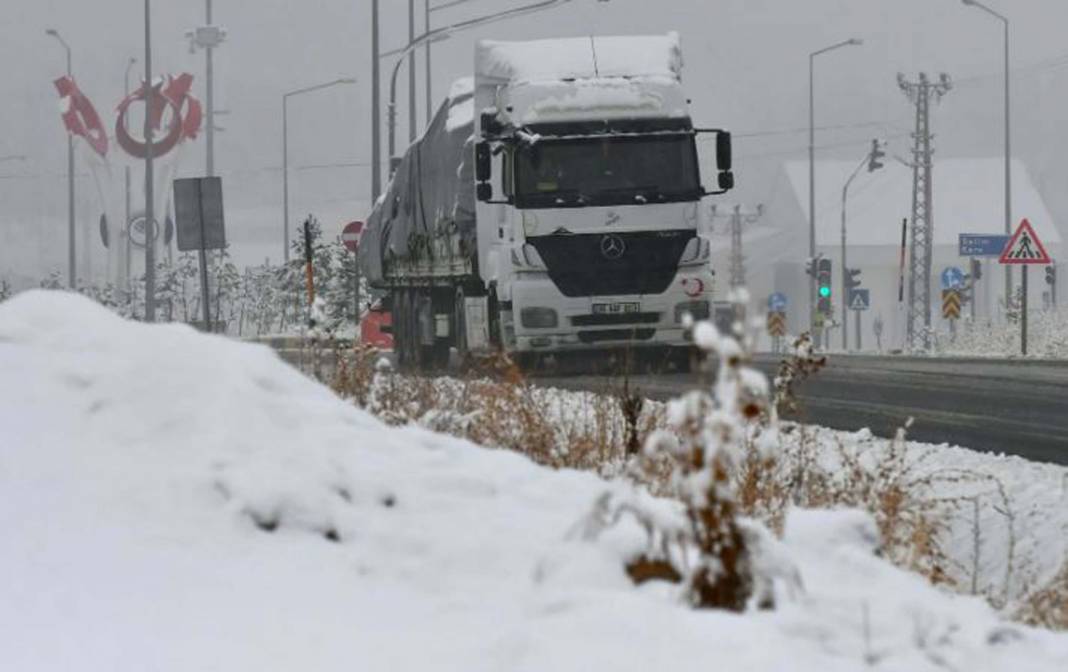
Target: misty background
(746,69)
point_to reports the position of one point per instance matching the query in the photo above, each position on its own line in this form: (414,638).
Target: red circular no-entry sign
(350,235)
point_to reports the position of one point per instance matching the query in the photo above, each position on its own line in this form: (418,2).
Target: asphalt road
(1015,407)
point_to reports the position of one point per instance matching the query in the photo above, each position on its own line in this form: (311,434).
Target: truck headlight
(697,252)
(698,310)
(538,318)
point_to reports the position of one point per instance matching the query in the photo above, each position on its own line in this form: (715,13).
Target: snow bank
(177,501)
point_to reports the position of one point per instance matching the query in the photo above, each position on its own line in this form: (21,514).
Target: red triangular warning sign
(1024,247)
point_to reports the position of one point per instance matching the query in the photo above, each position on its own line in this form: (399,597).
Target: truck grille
(621,318)
(616,335)
(578,267)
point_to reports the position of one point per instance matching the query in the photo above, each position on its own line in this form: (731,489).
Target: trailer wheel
(400,327)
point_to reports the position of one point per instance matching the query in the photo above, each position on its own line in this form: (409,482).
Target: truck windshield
(607,171)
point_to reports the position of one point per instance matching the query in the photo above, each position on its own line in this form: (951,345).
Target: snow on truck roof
(590,57)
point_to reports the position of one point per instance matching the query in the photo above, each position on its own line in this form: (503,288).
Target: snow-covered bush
(1047,337)
(706,439)
(259,300)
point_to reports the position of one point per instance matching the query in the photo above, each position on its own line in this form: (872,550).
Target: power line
(796,150)
(1045,64)
(797,131)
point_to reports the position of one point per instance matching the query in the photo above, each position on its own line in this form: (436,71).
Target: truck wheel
(460,326)
(439,354)
(494,319)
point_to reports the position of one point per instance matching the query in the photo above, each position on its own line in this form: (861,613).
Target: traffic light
(1051,275)
(965,294)
(823,286)
(810,265)
(977,270)
(877,153)
(852,278)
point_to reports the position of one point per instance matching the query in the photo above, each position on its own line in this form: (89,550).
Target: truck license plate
(616,308)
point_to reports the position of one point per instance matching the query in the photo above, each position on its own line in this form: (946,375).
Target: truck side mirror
(726,180)
(723,151)
(483,165)
(484,191)
(489,123)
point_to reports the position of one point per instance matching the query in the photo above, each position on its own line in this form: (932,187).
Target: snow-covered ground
(176,501)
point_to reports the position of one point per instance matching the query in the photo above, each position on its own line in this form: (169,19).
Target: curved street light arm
(979,5)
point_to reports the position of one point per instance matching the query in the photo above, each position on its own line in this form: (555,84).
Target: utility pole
(208,37)
(918,322)
(71,259)
(429,92)
(737,219)
(150,215)
(411,73)
(209,81)
(376,103)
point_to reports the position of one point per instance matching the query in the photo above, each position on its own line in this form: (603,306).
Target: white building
(968,198)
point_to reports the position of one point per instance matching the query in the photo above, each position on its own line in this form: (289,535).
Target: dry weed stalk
(704,440)
(1047,607)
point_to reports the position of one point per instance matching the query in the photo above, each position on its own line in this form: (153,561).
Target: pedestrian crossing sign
(1024,247)
(859,299)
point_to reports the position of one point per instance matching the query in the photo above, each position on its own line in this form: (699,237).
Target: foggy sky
(746,68)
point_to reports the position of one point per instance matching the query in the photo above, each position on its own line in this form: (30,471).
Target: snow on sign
(350,235)
(1024,247)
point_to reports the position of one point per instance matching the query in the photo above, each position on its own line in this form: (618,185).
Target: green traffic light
(825,292)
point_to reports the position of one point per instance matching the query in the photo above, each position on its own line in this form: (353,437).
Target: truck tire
(494,319)
(459,323)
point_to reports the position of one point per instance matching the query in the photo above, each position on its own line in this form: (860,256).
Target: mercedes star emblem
(612,247)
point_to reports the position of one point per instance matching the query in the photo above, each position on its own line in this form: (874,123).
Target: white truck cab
(588,188)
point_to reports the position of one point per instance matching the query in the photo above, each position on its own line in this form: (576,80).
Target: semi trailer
(551,206)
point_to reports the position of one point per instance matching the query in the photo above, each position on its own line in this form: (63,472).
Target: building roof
(968,198)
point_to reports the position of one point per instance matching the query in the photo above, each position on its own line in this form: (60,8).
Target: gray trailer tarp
(427,212)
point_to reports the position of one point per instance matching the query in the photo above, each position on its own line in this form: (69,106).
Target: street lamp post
(1008,145)
(431,35)
(150,205)
(71,266)
(127,249)
(812,175)
(871,160)
(285,153)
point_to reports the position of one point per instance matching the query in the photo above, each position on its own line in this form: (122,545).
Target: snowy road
(1016,407)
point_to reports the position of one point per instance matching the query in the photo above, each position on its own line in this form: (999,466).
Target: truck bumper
(604,322)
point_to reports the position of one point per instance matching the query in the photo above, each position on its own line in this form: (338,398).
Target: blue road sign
(981,245)
(859,299)
(777,302)
(952,278)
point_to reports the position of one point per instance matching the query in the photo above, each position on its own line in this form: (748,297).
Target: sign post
(1024,248)
(859,301)
(777,319)
(350,237)
(198,209)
